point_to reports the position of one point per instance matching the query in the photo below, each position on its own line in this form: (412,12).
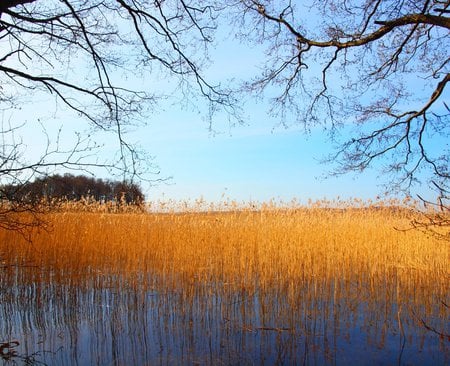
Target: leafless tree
(89,55)
(380,65)
(74,49)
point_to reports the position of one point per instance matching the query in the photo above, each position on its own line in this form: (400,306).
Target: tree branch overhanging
(74,52)
(47,33)
(7,4)
(382,65)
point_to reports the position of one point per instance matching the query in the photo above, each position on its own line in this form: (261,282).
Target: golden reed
(332,249)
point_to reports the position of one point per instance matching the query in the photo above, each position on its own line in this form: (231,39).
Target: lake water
(150,320)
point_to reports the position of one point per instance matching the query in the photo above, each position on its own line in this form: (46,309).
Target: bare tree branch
(389,66)
(75,50)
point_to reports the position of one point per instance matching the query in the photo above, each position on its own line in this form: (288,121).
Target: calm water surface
(148,320)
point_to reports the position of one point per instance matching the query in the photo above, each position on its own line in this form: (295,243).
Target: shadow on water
(105,319)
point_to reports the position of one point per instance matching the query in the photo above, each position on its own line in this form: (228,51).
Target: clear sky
(257,161)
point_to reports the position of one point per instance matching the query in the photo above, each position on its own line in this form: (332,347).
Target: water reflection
(99,319)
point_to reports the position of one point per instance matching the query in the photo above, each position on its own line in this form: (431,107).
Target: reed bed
(246,247)
(295,266)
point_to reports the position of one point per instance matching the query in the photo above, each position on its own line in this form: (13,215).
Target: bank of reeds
(353,251)
(247,245)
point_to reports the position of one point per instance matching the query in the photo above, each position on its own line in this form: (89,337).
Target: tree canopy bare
(75,50)
(380,65)
(90,57)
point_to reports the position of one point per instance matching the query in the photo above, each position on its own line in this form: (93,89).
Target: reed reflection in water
(215,323)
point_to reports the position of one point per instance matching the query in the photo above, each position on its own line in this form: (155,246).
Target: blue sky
(256,161)
(259,160)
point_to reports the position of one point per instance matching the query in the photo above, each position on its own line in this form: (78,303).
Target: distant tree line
(74,188)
